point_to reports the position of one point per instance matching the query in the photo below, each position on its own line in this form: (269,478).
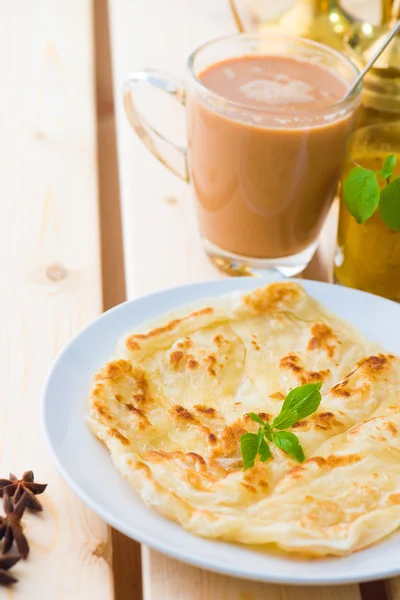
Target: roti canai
(172,405)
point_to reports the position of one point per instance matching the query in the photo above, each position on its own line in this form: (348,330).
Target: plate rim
(151,540)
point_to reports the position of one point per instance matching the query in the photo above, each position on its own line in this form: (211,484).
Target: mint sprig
(300,403)
(389,205)
(362,195)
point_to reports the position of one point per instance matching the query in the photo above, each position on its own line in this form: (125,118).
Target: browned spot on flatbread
(190,458)
(256,476)
(168,327)
(142,394)
(143,421)
(255,345)
(249,487)
(323,338)
(102,410)
(185,344)
(315,376)
(116,434)
(229,439)
(333,461)
(145,468)
(277,396)
(211,362)
(300,424)
(275,297)
(191,362)
(325,421)
(212,438)
(341,389)
(218,340)
(196,457)
(181,413)
(206,410)
(159,456)
(132,344)
(264,416)
(114,370)
(376,365)
(175,358)
(293,363)
(391,428)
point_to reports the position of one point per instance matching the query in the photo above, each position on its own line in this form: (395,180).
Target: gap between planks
(126,558)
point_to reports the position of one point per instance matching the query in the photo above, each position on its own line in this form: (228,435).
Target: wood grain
(50,272)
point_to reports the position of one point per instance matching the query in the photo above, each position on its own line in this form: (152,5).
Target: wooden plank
(50,272)
(126,558)
(393,588)
(161,243)
(173,580)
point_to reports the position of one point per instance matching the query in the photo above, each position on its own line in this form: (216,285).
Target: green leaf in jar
(389,205)
(361,194)
(388,166)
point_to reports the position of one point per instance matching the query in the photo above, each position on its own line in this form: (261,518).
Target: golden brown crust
(323,338)
(293,363)
(277,296)
(132,340)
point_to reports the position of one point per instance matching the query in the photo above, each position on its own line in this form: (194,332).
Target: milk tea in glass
(267,128)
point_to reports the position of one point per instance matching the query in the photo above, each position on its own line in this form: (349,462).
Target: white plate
(86,465)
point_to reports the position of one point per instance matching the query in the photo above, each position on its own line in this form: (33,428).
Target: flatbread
(174,402)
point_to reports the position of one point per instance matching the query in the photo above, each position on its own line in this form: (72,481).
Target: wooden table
(70,164)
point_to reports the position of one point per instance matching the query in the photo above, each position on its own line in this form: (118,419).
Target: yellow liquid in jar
(368,255)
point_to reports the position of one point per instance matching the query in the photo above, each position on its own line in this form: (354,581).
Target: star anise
(16,487)
(10,525)
(6,562)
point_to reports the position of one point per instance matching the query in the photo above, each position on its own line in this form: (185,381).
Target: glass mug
(263,176)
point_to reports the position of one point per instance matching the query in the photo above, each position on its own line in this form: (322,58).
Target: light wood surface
(50,272)
(161,242)
(59,171)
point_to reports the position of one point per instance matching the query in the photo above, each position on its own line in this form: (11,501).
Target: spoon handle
(378,52)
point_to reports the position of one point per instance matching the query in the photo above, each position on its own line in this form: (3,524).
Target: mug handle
(171,155)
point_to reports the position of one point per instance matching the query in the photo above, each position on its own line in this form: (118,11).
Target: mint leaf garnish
(289,443)
(389,205)
(388,166)
(285,419)
(268,431)
(299,403)
(304,399)
(264,451)
(256,418)
(248,449)
(361,193)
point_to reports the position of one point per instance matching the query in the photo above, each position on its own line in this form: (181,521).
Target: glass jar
(381,93)
(368,255)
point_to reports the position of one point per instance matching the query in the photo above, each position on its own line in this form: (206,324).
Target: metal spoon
(378,52)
